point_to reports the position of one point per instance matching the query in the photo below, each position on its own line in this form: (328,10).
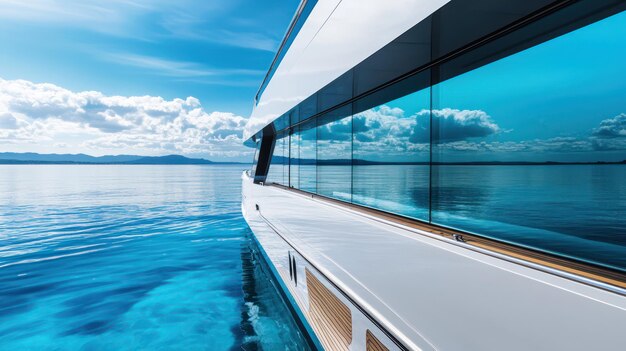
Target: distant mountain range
(35,158)
(14,158)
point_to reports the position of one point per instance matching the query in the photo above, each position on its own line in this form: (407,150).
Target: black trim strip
(266,150)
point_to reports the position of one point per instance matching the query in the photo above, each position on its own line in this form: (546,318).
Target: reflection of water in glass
(573,210)
(398,189)
(132,257)
(576,210)
(334,179)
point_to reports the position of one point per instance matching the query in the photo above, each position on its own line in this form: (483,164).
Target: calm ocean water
(132,258)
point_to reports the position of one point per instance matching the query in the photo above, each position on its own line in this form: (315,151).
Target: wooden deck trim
(577,268)
(330,318)
(372,343)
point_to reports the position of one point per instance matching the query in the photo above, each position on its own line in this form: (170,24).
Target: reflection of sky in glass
(334,143)
(278,171)
(559,101)
(334,140)
(396,131)
(308,150)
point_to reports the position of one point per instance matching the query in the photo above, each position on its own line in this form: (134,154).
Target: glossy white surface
(435,295)
(337,35)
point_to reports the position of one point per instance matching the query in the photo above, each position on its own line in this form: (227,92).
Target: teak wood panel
(372,343)
(330,318)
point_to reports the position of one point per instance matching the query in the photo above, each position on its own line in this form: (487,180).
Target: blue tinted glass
(521,146)
(334,155)
(277,166)
(294,158)
(308,157)
(391,156)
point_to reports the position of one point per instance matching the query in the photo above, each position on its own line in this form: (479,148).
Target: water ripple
(126,258)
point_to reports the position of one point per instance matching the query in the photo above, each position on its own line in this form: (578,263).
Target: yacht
(446,174)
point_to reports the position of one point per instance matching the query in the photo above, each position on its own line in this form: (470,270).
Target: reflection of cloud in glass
(334,140)
(383,133)
(560,144)
(612,127)
(454,125)
(614,144)
(340,130)
(609,136)
(386,133)
(385,122)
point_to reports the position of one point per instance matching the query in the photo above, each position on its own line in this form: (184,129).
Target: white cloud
(170,68)
(44,117)
(7,121)
(250,40)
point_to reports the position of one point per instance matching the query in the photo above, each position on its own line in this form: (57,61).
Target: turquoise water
(133,258)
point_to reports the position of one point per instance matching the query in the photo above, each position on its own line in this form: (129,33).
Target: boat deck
(432,293)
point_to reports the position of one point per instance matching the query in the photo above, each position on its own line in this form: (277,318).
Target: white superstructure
(402,205)
(351,30)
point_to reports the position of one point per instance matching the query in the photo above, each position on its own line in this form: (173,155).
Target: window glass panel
(294,158)
(391,156)
(334,154)
(285,145)
(276,172)
(530,149)
(308,156)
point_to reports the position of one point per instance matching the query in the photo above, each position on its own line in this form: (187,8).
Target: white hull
(424,291)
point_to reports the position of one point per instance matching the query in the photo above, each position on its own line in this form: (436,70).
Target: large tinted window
(334,154)
(519,145)
(308,156)
(392,154)
(294,158)
(279,164)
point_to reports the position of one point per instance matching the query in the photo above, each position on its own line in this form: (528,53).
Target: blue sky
(159,77)
(217,51)
(146,77)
